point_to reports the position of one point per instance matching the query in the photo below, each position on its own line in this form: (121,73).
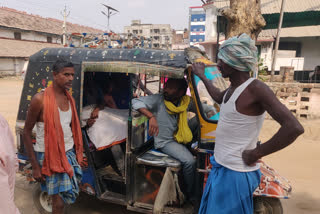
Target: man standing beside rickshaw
(235,170)
(53,157)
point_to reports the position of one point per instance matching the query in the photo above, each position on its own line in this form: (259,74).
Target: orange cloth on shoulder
(55,159)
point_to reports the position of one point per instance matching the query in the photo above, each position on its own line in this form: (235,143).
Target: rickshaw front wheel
(267,205)
(42,200)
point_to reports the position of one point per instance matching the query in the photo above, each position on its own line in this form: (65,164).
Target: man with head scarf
(235,170)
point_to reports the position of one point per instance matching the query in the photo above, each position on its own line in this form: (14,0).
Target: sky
(174,12)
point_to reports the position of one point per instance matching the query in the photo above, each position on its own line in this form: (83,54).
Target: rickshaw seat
(154,157)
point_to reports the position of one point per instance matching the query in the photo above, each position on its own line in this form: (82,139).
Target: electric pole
(274,58)
(64,25)
(111,12)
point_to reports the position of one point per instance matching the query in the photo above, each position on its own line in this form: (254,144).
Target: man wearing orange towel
(58,150)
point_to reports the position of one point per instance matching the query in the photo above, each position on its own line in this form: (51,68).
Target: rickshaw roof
(154,62)
(147,61)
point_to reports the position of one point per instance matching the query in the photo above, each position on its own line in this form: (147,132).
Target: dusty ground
(299,163)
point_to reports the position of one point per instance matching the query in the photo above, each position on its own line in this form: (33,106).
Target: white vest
(65,120)
(235,133)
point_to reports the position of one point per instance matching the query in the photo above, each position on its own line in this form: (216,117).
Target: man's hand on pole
(198,69)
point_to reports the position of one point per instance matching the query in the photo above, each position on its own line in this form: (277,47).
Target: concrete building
(160,34)
(22,35)
(299,39)
(180,39)
(197,28)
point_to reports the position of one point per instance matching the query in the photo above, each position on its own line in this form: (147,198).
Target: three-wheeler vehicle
(145,167)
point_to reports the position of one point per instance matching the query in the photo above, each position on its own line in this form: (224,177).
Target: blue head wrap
(240,53)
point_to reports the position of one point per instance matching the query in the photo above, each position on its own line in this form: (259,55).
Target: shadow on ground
(301,203)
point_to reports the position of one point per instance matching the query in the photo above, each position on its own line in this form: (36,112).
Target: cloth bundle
(110,128)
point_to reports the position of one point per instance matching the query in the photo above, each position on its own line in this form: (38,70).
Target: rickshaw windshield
(215,77)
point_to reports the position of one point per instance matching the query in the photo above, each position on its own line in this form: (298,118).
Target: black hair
(60,64)
(182,84)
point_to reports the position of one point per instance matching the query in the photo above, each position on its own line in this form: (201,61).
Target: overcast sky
(174,12)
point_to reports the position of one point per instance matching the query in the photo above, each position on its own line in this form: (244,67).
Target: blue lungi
(61,183)
(228,191)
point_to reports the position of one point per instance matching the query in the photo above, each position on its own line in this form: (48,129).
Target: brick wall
(302,99)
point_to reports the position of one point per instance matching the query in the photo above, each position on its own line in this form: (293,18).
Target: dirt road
(299,163)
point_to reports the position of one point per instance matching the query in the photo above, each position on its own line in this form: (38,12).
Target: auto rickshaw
(145,167)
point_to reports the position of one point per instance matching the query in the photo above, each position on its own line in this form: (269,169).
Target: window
(200,29)
(140,31)
(201,19)
(135,31)
(259,50)
(151,31)
(17,35)
(163,30)
(194,40)
(128,31)
(195,20)
(49,39)
(156,30)
(291,46)
(200,40)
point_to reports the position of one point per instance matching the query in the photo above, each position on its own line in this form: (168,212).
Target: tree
(244,16)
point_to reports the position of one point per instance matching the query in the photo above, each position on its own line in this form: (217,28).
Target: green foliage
(262,70)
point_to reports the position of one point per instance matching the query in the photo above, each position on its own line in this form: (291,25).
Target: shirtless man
(54,159)
(235,170)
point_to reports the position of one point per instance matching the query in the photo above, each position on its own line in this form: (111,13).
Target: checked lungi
(61,183)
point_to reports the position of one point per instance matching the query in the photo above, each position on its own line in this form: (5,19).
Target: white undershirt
(235,133)
(65,120)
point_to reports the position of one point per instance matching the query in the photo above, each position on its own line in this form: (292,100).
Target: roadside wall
(11,66)
(302,99)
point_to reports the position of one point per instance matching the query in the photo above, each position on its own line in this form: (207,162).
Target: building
(197,28)
(159,34)
(180,39)
(299,39)
(23,34)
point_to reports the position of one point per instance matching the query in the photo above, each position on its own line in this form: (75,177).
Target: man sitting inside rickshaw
(168,123)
